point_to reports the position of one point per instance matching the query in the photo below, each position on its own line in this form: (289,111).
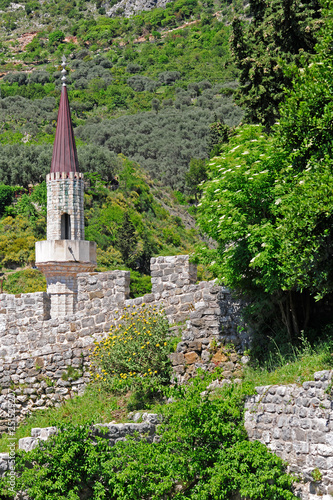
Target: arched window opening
(65,227)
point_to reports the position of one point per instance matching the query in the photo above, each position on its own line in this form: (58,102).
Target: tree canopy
(281,32)
(269,199)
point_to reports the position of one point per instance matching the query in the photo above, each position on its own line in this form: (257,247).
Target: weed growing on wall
(134,355)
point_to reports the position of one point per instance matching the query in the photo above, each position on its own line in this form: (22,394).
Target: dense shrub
(141,83)
(168,77)
(133,68)
(39,77)
(6,196)
(19,77)
(17,111)
(25,281)
(22,164)
(135,349)
(203,454)
(17,242)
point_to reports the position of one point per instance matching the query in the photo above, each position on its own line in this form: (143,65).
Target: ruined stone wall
(36,351)
(296,422)
(146,429)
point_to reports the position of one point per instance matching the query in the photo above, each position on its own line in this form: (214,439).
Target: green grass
(94,406)
(297,367)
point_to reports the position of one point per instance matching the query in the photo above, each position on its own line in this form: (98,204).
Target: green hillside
(136,85)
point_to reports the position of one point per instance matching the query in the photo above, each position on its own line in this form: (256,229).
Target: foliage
(23,164)
(33,209)
(139,284)
(134,349)
(56,37)
(25,281)
(196,174)
(316,474)
(17,242)
(280,33)
(219,133)
(203,453)
(6,197)
(270,226)
(127,240)
(146,137)
(269,204)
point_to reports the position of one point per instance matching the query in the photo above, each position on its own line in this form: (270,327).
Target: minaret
(65,253)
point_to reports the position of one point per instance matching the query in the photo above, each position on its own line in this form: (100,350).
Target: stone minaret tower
(65,253)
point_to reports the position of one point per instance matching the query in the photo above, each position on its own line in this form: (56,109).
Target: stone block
(195,345)
(191,358)
(177,358)
(219,357)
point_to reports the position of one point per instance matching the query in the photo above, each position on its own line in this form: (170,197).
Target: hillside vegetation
(136,86)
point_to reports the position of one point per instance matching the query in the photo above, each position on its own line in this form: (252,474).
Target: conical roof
(64,157)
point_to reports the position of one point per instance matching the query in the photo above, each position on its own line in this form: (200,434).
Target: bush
(133,68)
(20,78)
(141,83)
(135,349)
(56,37)
(25,281)
(168,77)
(39,77)
(6,197)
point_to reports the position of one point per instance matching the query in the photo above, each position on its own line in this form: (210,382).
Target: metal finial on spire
(63,71)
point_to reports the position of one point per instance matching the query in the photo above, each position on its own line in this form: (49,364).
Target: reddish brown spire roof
(64,157)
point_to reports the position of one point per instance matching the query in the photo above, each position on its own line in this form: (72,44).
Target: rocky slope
(129,7)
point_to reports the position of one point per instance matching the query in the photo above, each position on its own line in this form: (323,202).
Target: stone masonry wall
(35,351)
(296,422)
(65,194)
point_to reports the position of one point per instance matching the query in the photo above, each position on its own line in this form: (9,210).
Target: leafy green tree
(219,133)
(155,104)
(56,37)
(127,240)
(6,197)
(269,202)
(280,32)
(196,174)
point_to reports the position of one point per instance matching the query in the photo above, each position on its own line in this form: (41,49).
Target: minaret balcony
(79,251)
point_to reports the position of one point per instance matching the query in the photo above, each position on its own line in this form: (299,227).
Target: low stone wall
(36,352)
(115,432)
(296,422)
